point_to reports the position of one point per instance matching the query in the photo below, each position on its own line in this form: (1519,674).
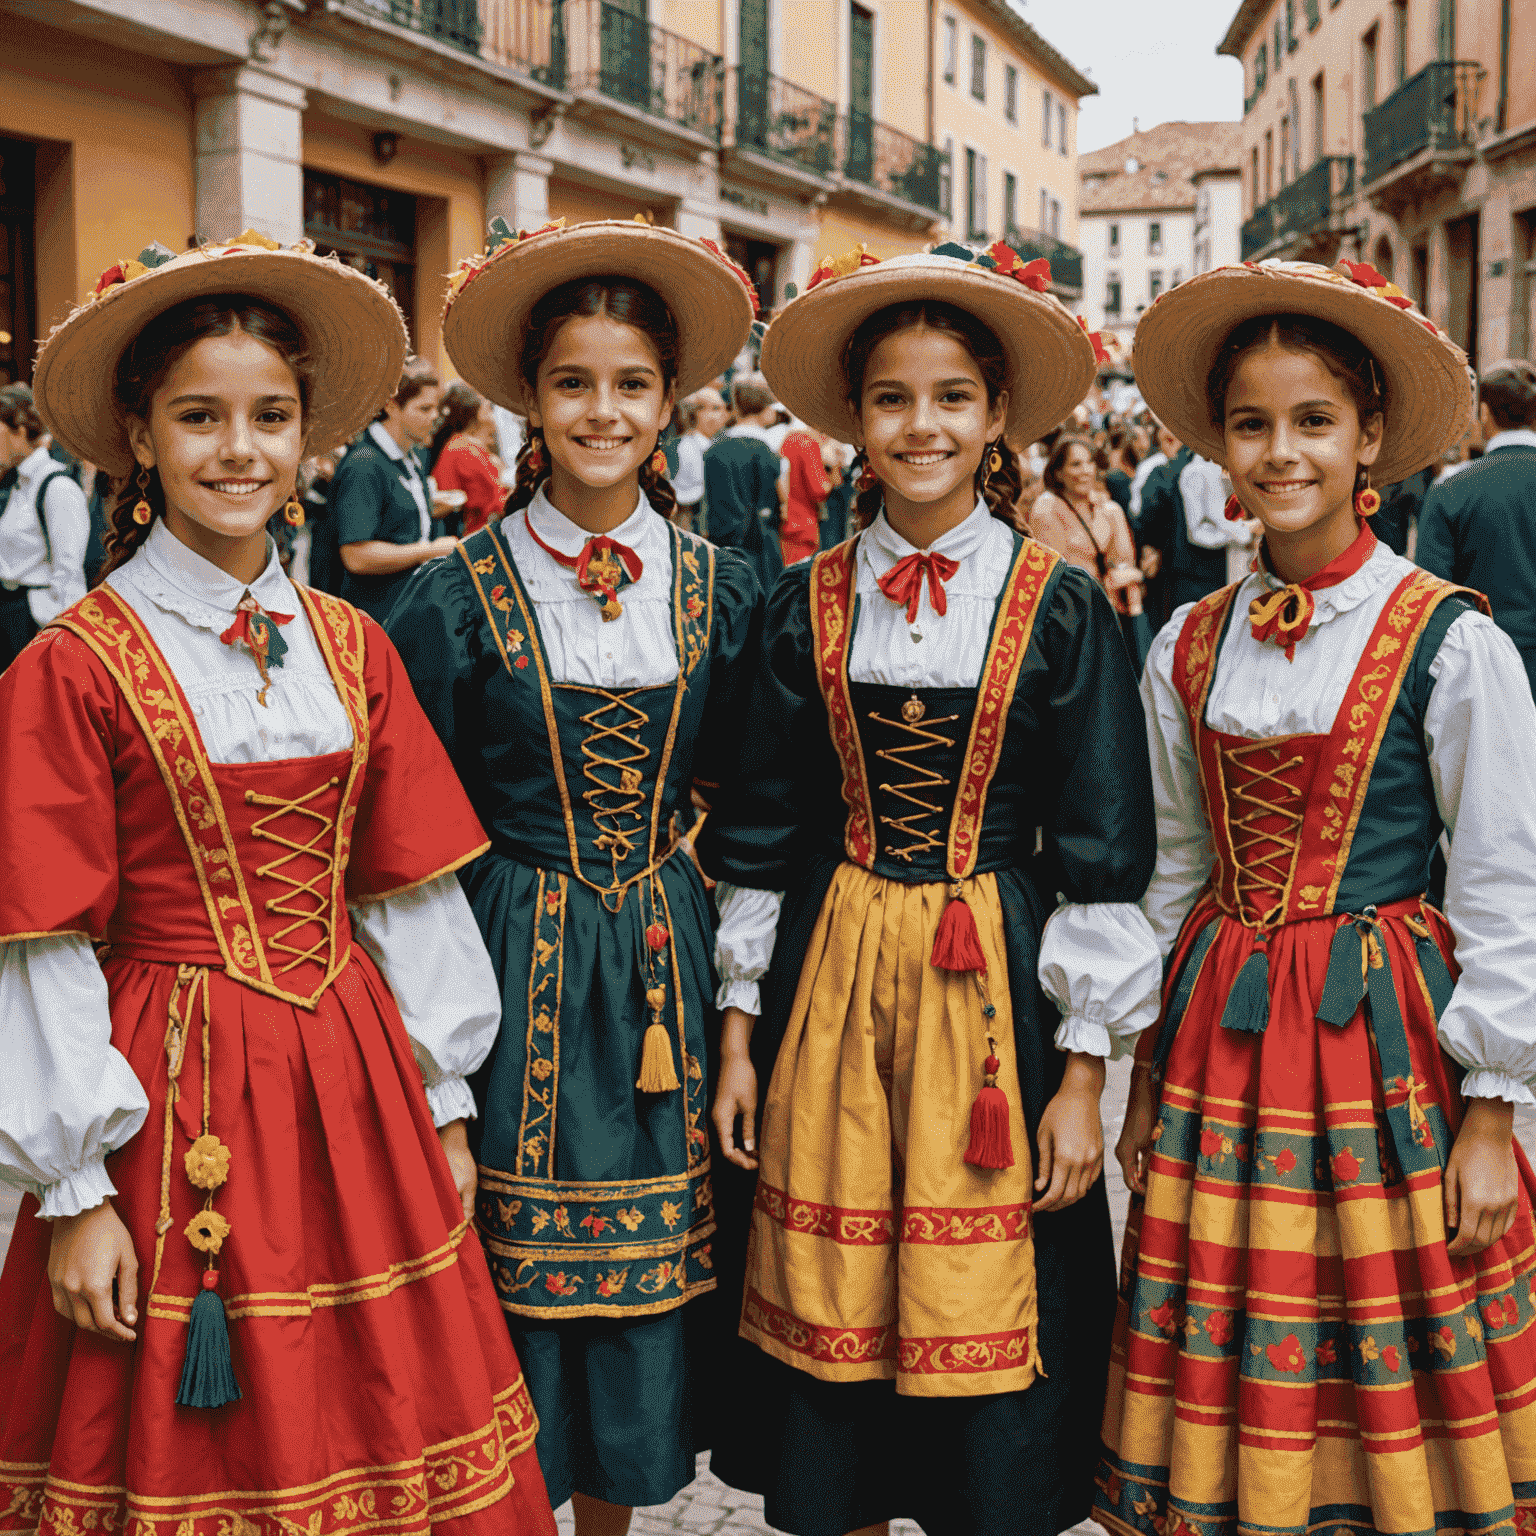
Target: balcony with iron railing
(1066,260)
(455,22)
(1423,135)
(785,124)
(1299,221)
(875,158)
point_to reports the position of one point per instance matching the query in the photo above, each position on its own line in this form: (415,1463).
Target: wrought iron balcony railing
(449,21)
(1435,109)
(1258,230)
(1066,260)
(1303,206)
(773,117)
(525,35)
(879,156)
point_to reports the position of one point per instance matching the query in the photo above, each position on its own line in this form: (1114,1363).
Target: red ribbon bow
(903,583)
(1285,615)
(598,567)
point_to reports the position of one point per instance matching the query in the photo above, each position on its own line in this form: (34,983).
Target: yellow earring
(293,511)
(142,511)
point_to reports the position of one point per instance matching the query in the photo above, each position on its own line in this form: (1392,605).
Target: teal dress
(595,1203)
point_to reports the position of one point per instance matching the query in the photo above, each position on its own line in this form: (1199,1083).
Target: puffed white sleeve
(428,946)
(1185,849)
(1100,966)
(749,923)
(67,1097)
(69,530)
(1480,729)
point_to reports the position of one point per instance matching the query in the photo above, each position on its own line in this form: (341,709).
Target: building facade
(1401,133)
(1005,107)
(1154,206)
(390,131)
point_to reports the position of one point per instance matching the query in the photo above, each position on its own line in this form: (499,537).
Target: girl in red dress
(240,989)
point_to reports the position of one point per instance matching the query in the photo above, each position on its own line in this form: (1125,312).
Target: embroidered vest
(904,735)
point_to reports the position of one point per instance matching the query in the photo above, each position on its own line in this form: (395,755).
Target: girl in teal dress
(584,661)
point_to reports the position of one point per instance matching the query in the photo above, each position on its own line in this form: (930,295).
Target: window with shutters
(1045,118)
(1261,68)
(1154,285)
(1061,127)
(1010,203)
(951,48)
(1114,239)
(1011,94)
(975,195)
(978,67)
(1112,294)
(1155,238)
(861,93)
(947,180)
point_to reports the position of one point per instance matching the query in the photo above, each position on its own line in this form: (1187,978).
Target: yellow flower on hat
(207,1231)
(255,237)
(207,1162)
(840,266)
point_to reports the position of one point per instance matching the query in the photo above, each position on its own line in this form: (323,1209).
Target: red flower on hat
(737,271)
(110,279)
(1036,274)
(840,266)
(1100,356)
(1006,258)
(1364,274)
(1401,300)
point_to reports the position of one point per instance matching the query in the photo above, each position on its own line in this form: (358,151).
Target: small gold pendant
(612,609)
(913,710)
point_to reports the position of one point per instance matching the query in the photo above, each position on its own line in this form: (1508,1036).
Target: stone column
(248,172)
(517,187)
(700,221)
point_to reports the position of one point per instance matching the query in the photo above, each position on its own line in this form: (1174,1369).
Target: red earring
(1367,502)
(535,453)
(658,464)
(1233,511)
(867,480)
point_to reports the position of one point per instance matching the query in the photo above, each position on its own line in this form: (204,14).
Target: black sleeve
(735,641)
(1101,834)
(727,519)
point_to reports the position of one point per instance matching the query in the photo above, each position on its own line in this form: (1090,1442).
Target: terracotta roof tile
(1167,157)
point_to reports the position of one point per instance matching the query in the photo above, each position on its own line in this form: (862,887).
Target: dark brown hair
(142,369)
(1508,389)
(458,412)
(630,303)
(1000,488)
(19,413)
(1052,475)
(1345,356)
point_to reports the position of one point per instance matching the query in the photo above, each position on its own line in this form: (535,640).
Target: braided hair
(623,299)
(142,369)
(1000,488)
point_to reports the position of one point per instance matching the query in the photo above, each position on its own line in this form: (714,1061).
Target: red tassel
(990,1145)
(957,946)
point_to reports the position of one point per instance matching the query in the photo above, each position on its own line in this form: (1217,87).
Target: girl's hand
(90,1253)
(736,1090)
(1480,1185)
(1123,584)
(1134,1149)
(461,1163)
(1071,1139)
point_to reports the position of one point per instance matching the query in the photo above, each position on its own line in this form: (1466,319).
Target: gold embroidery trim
(541,1068)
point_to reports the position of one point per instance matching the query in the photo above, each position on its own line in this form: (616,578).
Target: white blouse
(67,1097)
(1480,734)
(1098,962)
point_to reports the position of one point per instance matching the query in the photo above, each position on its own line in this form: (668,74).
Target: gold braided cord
(1266,856)
(613,753)
(924,737)
(289,905)
(175,1054)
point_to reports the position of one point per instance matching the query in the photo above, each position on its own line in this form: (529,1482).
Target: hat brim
(1049,356)
(485,322)
(1178,340)
(353,332)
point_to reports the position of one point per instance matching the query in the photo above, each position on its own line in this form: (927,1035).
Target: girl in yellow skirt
(1327,1313)
(947,811)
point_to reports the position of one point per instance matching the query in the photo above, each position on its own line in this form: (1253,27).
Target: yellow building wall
(982,126)
(901,65)
(577,203)
(115,156)
(807,48)
(842,231)
(700,21)
(450,216)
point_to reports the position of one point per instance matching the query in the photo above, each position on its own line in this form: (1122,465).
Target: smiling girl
(928,1287)
(583,661)
(1328,1303)
(234,1082)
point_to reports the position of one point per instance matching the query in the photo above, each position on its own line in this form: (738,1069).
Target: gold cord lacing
(1265,857)
(320,913)
(924,737)
(617,803)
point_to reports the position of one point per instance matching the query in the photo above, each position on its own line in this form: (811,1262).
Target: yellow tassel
(657,1074)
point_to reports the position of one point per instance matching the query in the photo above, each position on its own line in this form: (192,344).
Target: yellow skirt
(876,1251)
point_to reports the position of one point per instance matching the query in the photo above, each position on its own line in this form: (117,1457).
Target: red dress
(378,1386)
(464,465)
(809,486)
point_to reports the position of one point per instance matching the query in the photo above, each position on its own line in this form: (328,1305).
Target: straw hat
(1429,385)
(352,330)
(1051,359)
(492,295)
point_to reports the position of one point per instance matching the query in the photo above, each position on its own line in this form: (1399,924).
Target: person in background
(461,456)
(701,417)
(1202,532)
(381,499)
(1163,447)
(1155,512)
(325,571)
(809,481)
(1478,528)
(44,527)
(1400,505)
(1123,463)
(741,480)
(839,502)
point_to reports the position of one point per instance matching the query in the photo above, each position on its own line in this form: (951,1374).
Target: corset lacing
(318,848)
(923,738)
(1266,836)
(618,808)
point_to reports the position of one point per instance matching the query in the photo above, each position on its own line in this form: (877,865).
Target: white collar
(559,532)
(1382,568)
(180,581)
(1515,437)
(965,538)
(380,434)
(35,463)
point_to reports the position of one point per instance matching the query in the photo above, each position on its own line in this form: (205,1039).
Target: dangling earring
(658,465)
(535,453)
(142,511)
(994,465)
(293,511)
(1367,501)
(1233,511)
(867,478)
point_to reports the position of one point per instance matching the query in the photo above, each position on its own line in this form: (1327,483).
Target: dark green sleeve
(735,641)
(359,494)
(1436,551)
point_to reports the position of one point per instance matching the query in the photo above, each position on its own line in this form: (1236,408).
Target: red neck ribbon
(602,568)
(1285,616)
(903,583)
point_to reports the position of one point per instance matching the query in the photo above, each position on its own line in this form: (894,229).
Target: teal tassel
(207,1377)
(1248,1002)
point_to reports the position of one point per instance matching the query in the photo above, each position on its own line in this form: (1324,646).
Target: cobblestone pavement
(707,1507)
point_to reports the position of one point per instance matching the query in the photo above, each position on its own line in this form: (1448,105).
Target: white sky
(1152,61)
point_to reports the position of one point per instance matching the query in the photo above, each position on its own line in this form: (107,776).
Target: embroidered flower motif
(671,1213)
(561,1284)
(1284,1160)
(520,663)
(1444,1341)
(1210,1142)
(594,1224)
(1287,1354)
(1369,1349)
(1165,1319)
(1113,1487)
(695,607)
(613,1282)
(1218,1325)
(563,1221)
(542,1068)
(630,1219)
(552,901)
(207,1231)
(1474,1327)
(1390,1358)
(1346,1167)
(207,1162)
(1326,1353)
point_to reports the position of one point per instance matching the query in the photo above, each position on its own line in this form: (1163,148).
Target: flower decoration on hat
(830,267)
(737,271)
(499,235)
(1100,354)
(1034,274)
(1363,275)
(152,256)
